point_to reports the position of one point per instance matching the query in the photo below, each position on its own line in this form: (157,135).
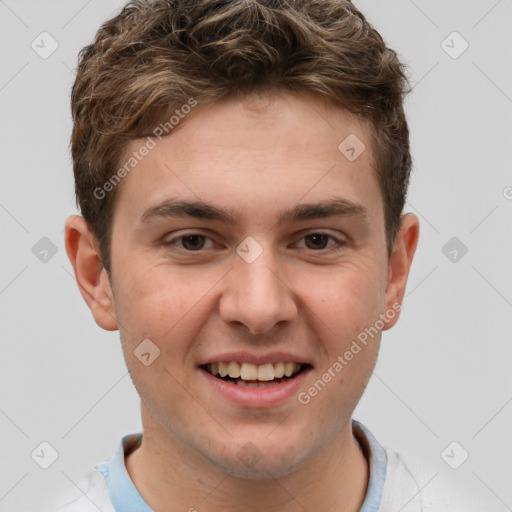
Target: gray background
(444,372)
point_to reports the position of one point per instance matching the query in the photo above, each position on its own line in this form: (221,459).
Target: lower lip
(257,397)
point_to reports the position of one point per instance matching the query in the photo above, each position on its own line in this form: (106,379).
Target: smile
(252,375)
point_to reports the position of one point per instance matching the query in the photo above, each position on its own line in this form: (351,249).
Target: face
(281,259)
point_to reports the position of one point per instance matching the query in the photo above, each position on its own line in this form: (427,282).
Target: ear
(400,262)
(91,276)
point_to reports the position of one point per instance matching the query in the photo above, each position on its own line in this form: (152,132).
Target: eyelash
(340,244)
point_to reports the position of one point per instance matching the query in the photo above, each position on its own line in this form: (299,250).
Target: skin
(256,157)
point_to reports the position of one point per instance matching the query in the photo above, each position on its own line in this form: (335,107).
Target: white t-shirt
(392,486)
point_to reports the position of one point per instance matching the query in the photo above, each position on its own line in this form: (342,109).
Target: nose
(256,295)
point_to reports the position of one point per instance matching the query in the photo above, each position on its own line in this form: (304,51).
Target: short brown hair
(154,56)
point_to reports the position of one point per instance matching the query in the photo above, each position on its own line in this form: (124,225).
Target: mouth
(251,375)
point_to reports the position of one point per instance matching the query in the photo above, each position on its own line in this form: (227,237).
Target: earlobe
(400,262)
(91,276)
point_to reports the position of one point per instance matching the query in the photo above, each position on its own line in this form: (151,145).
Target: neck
(169,476)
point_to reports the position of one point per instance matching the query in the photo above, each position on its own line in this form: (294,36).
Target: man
(241,168)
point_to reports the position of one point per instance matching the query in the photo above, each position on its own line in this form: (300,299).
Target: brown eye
(321,243)
(192,242)
(316,241)
(189,242)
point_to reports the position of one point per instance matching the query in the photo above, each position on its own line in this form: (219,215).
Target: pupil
(193,242)
(317,239)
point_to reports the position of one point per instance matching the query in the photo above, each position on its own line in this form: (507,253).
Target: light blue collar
(125,497)
(123,494)
(378,461)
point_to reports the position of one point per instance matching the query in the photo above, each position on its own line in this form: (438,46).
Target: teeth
(252,372)
(278,370)
(223,369)
(249,371)
(234,369)
(288,369)
(266,372)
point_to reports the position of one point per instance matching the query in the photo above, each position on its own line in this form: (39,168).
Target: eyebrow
(185,208)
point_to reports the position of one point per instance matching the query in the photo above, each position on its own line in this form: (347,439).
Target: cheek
(154,301)
(346,300)
(346,305)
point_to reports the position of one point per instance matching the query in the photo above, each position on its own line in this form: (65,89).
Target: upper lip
(242,356)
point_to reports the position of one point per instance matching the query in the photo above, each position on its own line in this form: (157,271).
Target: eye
(319,241)
(190,242)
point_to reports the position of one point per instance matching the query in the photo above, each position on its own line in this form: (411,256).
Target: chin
(260,459)
(265,468)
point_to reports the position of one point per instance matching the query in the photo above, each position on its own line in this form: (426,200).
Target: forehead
(255,156)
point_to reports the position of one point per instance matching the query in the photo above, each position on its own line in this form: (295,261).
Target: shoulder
(410,486)
(95,495)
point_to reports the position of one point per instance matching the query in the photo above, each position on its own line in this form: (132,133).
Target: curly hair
(154,56)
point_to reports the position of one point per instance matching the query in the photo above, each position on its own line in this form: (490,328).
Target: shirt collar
(377,462)
(123,494)
(125,497)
